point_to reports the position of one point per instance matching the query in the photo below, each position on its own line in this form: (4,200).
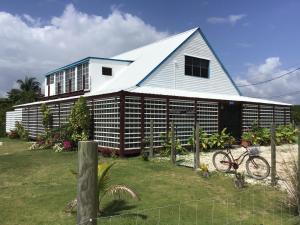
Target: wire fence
(237,210)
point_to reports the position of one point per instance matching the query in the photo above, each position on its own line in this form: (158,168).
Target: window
(70,80)
(107,71)
(196,67)
(50,79)
(59,80)
(83,76)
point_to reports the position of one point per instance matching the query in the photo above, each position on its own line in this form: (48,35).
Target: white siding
(218,81)
(11,118)
(95,71)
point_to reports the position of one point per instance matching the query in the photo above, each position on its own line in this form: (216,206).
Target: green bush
(286,134)
(79,121)
(262,136)
(167,145)
(22,133)
(213,141)
(47,117)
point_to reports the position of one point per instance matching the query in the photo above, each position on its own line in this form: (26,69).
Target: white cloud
(272,67)
(29,48)
(230,19)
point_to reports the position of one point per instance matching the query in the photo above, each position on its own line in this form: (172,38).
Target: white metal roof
(145,59)
(203,95)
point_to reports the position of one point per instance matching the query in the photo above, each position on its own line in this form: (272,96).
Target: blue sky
(255,40)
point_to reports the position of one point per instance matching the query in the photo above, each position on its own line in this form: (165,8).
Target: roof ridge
(155,42)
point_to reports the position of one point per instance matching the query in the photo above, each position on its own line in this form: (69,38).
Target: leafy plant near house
(213,141)
(22,133)
(79,121)
(47,117)
(286,134)
(167,145)
(262,136)
(104,187)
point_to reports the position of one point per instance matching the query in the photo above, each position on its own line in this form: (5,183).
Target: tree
(47,117)
(28,91)
(296,113)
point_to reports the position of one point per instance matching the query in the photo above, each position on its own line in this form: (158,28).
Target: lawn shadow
(117,207)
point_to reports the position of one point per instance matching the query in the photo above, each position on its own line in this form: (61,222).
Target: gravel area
(283,153)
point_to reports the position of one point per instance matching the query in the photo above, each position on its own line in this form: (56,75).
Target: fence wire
(209,212)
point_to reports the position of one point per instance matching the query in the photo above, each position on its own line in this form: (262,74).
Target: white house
(179,78)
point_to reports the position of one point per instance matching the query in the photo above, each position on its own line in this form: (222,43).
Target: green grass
(35,186)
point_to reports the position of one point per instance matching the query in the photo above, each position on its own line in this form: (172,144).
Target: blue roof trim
(206,41)
(219,61)
(83,61)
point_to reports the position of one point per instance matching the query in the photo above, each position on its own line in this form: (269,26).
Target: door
(230,118)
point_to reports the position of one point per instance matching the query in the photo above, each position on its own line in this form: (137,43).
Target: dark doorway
(230,118)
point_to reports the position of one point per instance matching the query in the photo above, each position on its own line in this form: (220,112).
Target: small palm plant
(104,187)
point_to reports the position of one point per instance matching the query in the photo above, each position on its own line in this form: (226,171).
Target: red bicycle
(256,166)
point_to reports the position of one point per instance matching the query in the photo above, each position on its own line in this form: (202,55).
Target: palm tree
(104,188)
(28,91)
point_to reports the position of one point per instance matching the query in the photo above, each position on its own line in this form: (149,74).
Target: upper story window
(83,76)
(59,80)
(107,71)
(50,79)
(70,80)
(196,67)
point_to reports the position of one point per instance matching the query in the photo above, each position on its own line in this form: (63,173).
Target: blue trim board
(83,61)
(210,47)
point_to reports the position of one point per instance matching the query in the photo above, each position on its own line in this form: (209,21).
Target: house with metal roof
(178,79)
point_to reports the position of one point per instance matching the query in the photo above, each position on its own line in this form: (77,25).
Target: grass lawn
(36,185)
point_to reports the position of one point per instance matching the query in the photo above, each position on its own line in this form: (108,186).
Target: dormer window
(107,71)
(196,67)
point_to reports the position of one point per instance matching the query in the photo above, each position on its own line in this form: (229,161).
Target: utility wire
(286,94)
(269,80)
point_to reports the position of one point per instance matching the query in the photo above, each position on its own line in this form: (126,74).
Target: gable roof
(146,59)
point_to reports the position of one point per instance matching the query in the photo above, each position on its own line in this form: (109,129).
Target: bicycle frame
(237,160)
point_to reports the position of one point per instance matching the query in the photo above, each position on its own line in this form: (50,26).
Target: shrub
(286,134)
(47,117)
(22,133)
(213,141)
(67,145)
(58,147)
(79,121)
(167,145)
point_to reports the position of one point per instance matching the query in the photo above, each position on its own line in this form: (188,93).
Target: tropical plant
(28,91)
(104,187)
(167,145)
(286,134)
(79,120)
(257,135)
(47,117)
(22,133)
(216,140)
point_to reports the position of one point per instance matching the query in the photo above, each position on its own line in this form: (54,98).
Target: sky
(255,40)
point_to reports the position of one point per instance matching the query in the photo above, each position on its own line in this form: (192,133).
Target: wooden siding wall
(218,81)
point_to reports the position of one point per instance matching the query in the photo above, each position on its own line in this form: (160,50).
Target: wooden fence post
(273,155)
(87,188)
(197,144)
(151,139)
(173,147)
(298,173)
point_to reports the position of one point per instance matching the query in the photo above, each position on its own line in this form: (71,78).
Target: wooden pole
(173,150)
(273,155)
(87,188)
(298,174)
(197,144)
(151,139)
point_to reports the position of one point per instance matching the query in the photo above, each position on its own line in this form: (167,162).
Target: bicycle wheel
(257,167)
(222,161)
